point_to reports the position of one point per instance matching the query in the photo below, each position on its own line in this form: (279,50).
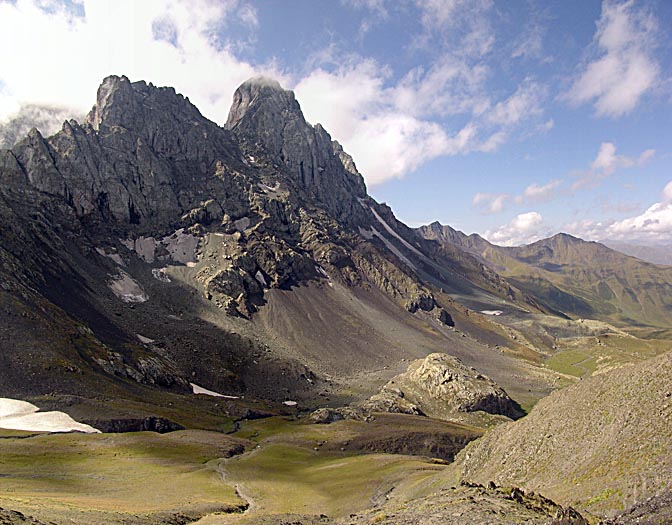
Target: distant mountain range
(575,277)
(659,254)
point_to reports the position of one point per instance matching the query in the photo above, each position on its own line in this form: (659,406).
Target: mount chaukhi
(201,292)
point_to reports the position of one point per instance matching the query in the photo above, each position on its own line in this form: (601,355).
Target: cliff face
(268,118)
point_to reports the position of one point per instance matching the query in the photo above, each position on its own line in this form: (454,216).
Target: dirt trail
(586,372)
(241,491)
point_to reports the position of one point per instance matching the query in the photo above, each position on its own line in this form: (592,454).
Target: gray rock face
(267,117)
(135,160)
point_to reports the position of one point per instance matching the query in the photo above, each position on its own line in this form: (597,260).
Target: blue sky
(513,119)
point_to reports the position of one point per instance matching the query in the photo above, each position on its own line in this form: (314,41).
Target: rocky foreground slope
(600,445)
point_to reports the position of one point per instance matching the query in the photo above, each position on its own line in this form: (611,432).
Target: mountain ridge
(576,277)
(149,209)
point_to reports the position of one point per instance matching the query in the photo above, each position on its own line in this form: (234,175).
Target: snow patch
(181,246)
(126,288)
(267,189)
(389,230)
(145,247)
(160,275)
(196,389)
(375,233)
(144,339)
(290,403)
(367,234)
(492,312)
(21,415)
(260,278)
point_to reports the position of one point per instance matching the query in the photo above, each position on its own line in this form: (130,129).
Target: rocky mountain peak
(135,105)
(564,238)
(267,121)
(262,95)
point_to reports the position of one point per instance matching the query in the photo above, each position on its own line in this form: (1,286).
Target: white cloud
(387,128)
(523,229)
(248,15)
(667,192)
(461,24)
(450,86)
(652,225)
(490,202)
(606,163)
(536,192)
(624,69)
(377,13)
(526,102)
(530,42)
(61,57)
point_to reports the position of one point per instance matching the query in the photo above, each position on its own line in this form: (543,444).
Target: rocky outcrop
(441,386)
(133,161)
(160,425)
(469,503)
(438,386)
(325,416)
(12,517)
(655,510)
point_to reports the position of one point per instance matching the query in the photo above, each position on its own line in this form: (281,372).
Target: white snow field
(21,415)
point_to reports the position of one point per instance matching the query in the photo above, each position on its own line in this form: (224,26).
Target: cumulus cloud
(523,229)
(652,225)
(526,102)
(667,192)
(623,69)
(490,202)
(606,163)
(62,56)
(387,127)
(536,192)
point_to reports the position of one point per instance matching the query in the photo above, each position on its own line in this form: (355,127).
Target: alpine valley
(238,333)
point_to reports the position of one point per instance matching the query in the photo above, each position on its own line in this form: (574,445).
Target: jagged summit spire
(266,95)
